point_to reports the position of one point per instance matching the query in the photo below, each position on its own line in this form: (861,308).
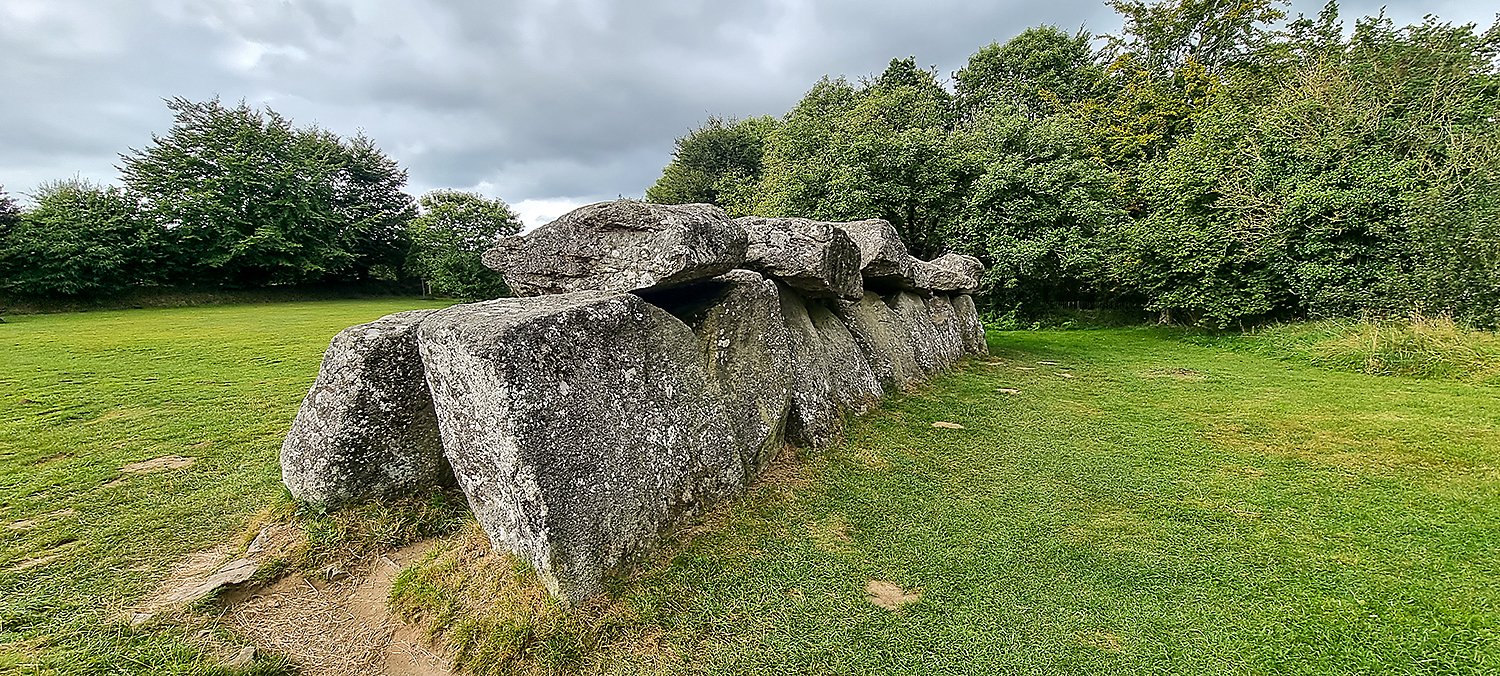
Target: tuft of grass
(1417,346)
(493,616)
(358,530)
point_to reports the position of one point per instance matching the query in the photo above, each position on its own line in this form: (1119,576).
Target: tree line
(1216,162)
(237,197)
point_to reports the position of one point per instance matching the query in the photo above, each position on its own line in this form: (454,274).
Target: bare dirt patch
(943,424)
(162,464)
(889,595)
(342,627)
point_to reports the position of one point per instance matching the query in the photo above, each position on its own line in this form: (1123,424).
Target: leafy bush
(79,240)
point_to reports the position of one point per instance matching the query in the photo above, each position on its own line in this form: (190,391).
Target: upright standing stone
(947,334)
(883,339)
(621,246)
(366,429)
(747,351)
(830,375)
(970,326)
(916,322)
(580,426)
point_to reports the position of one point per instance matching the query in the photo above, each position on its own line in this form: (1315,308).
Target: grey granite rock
(366,429)
(830,376)
(816,258)
(970,326)
(746,351)
(580,426)
(884,261)
(883,339)
(948,273)
(947,337)
(621,246)
(916,323)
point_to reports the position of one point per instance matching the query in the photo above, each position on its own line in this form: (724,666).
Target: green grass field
(1176,506)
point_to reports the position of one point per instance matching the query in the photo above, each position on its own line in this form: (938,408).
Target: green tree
(1039,72)
(449,237)
(1036,215)
(713,163)
(883,150)
(1361,178)
(79,240)
(251,200)
(1167,35)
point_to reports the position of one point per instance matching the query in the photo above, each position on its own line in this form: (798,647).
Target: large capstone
(883,339)
(818,259)
(884,261)
(948,273)
(621,246)
(366,429)
(970,326)
(830,375)
(580,426)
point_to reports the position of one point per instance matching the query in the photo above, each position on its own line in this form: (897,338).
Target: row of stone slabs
(582,425)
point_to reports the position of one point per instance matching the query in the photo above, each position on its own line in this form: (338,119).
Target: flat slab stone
(884,262)
(621,246)
(366,429)
(948,273)
(816,258)
(580,426)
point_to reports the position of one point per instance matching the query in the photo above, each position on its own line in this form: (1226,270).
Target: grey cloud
(529,99)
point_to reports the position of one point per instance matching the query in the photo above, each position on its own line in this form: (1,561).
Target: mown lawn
(86,394)
(1170,508)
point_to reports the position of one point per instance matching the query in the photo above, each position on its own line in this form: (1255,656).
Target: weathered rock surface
(580,426)
(916,322)
(366,429)
(621,246)
(884,262)
(646,376)
(883,339)
(747,352)
(830,376)
(818,259)
(948,273)
(970,326)
(947,335)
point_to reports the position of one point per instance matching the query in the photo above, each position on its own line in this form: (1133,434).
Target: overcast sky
(546,104)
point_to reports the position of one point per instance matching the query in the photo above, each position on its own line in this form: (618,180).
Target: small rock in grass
(1066,375)
(234,572)
(888,595)
(948,425)
(1008,390)
(1047,363)
(1025,368)
(137,619)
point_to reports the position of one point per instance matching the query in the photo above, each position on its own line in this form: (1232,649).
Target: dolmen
(653,362)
